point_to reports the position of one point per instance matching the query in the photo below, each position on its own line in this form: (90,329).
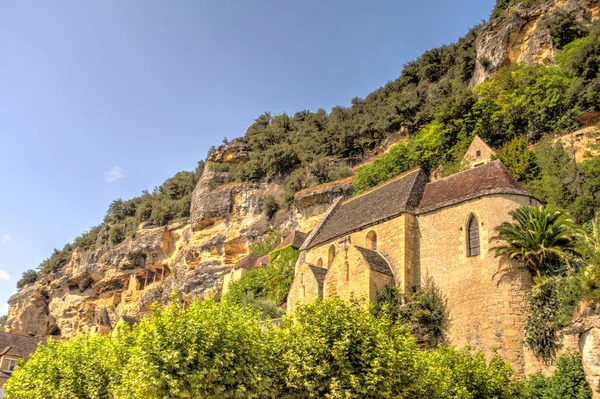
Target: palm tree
(543,239)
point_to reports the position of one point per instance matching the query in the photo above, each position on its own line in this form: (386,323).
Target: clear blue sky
(100,100)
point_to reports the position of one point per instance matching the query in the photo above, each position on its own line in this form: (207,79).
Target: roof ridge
(385,183)
(487,165)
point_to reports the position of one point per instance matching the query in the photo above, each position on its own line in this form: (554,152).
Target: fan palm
(543,239)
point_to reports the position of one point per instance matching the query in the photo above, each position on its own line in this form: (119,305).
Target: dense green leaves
(329,349)
(28,277)
(543,239)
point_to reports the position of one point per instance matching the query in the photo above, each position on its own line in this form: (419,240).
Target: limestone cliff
(98,287)
(521,35)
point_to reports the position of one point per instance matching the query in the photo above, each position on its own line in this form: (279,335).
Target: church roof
(375,261)
(492,178)
(385,201)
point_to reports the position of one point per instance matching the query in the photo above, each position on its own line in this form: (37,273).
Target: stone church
(409,227)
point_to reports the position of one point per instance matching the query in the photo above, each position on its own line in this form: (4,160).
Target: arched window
(473,247)
(320,262)
(330,255)
(372,241)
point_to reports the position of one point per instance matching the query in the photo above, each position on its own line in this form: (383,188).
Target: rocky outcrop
(101,286)
(520,35)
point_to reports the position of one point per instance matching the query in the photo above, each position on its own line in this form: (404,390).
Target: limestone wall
(304,289)
(394,241)
(486,297)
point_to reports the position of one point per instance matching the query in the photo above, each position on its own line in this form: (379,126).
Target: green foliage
(543,322)
(567,382)
(268,243)
(543,239)
(331,349)
(271,282)
(564,29)
(336,349)
(116,234)
(210,351)
(28,277)
(56,261)
(425,311)
(84,367)
(453,373)
(270,206)
(520,161)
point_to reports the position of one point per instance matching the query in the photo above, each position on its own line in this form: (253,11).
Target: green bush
(567,382)
(271,282)
(271,206)
(116,234)
(520,161)
(28,277)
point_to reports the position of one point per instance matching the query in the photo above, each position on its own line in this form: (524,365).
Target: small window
(473,236)
(320,262)
(372,241)
(330,255)
(10,364)
(478,153)
(347,265)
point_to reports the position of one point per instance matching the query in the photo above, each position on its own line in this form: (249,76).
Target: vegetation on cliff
(331,349)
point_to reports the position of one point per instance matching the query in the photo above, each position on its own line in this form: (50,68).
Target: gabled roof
(478,145)
(491,178)
(390,199)
(375,261)
(18,345)
(295,238)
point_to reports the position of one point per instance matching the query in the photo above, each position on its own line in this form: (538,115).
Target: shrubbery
(331,349)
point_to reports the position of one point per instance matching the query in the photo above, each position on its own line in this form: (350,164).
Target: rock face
(520,35)
(99,287)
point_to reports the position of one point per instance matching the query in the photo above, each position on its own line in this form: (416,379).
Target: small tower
(479,153)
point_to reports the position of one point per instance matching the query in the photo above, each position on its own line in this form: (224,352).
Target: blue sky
(101,100)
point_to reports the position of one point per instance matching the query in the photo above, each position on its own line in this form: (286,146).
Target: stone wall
(486,296)
(304,289)
(394,241)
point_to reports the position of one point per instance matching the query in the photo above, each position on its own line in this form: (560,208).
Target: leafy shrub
(271,206)
(567,382)
(564,29)
(271,282)
(520,161)
(210,351)
(268,243)
(116,234)
(28,277)
(425,311)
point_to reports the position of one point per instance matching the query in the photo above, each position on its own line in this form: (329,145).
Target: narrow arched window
(473,246)
(320,262)
(330,255)
(372,241)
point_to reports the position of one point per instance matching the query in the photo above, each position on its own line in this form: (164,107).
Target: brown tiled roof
(296,238)
(319,273)
(491,178)
(375,261)
(247,262)
(18,345)
(385,201)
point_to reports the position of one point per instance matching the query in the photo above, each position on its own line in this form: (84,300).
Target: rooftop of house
(375,261)
(491,178)
(412,193)
(18,345)
(390,199)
